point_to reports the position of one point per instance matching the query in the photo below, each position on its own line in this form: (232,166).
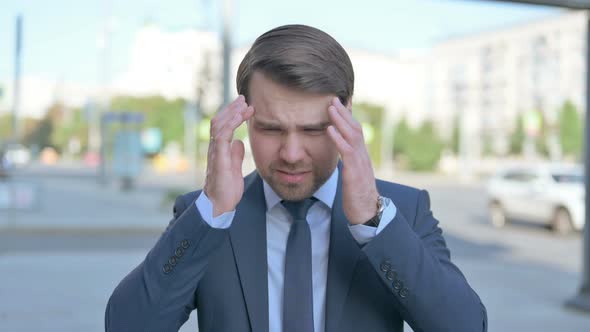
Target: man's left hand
(359,192)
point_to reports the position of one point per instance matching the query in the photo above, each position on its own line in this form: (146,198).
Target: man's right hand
(224,184)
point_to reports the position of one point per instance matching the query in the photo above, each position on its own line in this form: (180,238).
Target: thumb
(237,156)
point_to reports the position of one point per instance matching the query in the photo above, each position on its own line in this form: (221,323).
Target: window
(520,176)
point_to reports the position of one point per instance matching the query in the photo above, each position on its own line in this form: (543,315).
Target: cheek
(322,149)
(264,148)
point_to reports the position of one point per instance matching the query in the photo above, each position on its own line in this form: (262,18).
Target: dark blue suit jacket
(404,273)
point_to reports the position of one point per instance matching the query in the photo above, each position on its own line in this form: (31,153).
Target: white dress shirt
(278,223)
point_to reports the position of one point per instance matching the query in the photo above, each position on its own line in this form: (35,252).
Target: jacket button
(172,260)
(391,275)
(403,293)
(167,268)
(179,252)
(185,244)
(385,265)
(397,285)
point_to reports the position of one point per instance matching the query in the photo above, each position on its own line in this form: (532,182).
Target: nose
(292,149)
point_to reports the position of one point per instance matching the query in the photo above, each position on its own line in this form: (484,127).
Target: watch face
(380,204)
(377,218)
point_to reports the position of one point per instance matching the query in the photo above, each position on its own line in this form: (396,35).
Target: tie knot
(298,209)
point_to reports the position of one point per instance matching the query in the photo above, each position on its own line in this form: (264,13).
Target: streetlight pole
(98,128)
(227,48)
(17,75)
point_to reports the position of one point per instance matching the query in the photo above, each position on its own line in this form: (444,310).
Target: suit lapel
(248,241)
(343,255)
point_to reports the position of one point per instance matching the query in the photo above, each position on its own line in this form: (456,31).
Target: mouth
(292,177)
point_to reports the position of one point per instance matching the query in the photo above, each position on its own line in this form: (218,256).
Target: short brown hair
(300,57)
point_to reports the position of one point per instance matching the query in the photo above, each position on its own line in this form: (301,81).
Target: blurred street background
(104,120)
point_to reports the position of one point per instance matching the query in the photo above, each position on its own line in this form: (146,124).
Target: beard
(296,191)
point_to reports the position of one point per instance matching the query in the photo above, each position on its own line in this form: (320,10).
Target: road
(60,262)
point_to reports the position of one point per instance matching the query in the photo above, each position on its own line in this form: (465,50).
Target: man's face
(291,148)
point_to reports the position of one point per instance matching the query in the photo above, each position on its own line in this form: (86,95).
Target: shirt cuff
(205,208)
(363,233)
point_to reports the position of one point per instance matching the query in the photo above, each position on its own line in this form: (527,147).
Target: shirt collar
(326,193)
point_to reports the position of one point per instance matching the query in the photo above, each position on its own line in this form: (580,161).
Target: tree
(424,148)
(76,128)
(371,115)
(401,137)
(541,140)
(42,134)
(5,126)
(570,130)
(168,115)
(456,136)
(518,136)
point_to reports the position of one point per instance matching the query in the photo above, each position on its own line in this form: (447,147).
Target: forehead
(273,101)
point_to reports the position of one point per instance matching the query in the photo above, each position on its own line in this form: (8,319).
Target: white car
(16,155)
(552,195)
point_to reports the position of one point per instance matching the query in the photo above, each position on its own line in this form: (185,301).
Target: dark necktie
(298,292)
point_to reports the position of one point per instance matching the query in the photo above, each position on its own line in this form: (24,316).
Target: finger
(342,145)
(341,124)
(220,154)
(346,114)
(239,102)
(237,156)
(226,133)
(226,114)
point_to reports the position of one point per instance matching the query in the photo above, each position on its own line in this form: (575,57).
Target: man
(310,241)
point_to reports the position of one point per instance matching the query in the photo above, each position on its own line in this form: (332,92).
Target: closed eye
(314,131)
(270,130)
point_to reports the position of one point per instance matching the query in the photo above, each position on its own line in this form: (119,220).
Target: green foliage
(401,136)
(517,137)
(488,145)
(541,139)
(159,112)
(41,135)
(424,148)
(372,115)
(76,127)
(456,136)
(420,148)
(570,130)
(5,126)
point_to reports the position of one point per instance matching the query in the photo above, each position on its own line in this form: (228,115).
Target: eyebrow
(274,124)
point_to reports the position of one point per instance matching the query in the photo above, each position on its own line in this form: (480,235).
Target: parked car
(15,155)
(547,194)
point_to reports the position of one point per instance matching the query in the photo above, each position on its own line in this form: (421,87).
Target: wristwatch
(374,222)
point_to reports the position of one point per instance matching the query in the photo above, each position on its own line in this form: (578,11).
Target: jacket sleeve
(414,263)
(158,295)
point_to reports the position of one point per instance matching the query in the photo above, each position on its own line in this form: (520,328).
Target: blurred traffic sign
(151,140)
